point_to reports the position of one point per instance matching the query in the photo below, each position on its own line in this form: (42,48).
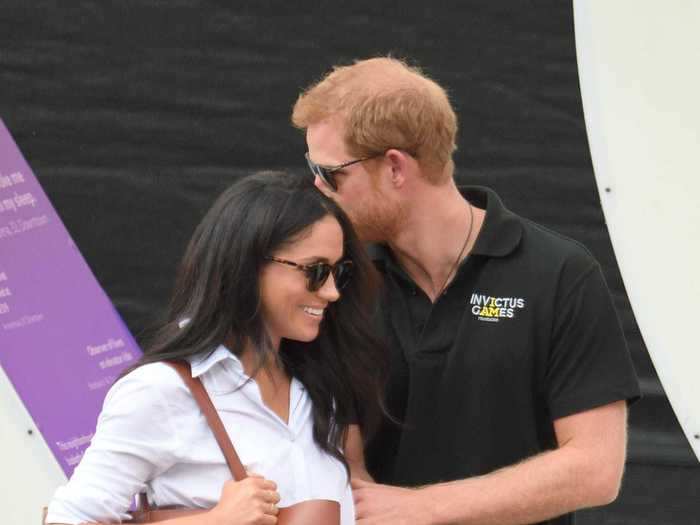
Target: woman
(290,364)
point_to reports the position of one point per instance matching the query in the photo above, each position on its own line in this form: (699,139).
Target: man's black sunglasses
(317,273)
(325,173)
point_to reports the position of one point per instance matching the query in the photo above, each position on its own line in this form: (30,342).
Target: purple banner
(62,343)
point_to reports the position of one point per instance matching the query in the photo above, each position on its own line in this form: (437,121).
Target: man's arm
(584,471)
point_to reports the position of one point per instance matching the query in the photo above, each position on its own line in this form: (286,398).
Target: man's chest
(483,322)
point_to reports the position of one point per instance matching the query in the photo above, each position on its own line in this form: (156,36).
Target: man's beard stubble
(379,220)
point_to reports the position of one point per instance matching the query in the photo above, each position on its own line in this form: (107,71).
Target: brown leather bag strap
(204,401)
(142,502)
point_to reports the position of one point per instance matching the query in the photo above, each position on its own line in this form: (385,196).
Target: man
(509,373)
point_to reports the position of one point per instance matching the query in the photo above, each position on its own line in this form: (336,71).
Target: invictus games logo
(493,309)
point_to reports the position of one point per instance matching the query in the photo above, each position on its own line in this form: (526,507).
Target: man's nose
(320,185)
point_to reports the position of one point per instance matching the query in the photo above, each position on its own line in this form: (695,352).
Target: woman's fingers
(260,481)
(271,509)
(271,496)
(266,490)
(252,500)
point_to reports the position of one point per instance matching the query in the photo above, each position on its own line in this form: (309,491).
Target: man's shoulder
(515,237)
(550,245)
(510,237)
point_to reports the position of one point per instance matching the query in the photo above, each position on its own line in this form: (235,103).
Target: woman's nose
(329,291)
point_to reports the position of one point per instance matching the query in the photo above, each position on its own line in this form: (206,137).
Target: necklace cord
(459,255)
(455,265)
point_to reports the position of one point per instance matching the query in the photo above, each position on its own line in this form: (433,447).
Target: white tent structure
(640,80)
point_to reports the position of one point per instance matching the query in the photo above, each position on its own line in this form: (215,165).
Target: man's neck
(436,236)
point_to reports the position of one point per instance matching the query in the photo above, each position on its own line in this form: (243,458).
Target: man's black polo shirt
(525,334)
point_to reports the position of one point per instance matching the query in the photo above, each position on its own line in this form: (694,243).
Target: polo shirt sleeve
(588,364)
(136,439)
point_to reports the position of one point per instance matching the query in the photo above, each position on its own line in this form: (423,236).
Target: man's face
(363,190)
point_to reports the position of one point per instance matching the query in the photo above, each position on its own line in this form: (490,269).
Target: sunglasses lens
(317,275)
(325,175)
(342,274)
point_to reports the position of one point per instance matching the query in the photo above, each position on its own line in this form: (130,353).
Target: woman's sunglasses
(317,273)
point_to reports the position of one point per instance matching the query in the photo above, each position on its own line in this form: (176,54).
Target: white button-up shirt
(151,436)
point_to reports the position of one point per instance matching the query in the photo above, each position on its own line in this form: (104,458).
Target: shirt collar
(203,362)
(499,236)
(502,230)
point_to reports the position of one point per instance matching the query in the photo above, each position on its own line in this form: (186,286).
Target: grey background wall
(135,117)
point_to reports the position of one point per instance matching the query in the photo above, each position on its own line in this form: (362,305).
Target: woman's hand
(252,501)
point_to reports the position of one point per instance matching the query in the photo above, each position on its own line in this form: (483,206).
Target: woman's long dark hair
(217,289)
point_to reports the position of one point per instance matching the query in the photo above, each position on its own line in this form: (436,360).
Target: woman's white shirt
(151,436)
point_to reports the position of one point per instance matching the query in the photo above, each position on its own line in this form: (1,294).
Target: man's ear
(398,161)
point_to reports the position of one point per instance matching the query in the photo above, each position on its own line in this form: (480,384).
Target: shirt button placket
(301,485)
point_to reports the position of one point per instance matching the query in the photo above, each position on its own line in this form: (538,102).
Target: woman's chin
(305,336)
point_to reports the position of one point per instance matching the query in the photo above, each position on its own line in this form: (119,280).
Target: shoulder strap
(204,401)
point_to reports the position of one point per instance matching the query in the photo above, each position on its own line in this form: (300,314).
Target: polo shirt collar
(501,231)
(499,236)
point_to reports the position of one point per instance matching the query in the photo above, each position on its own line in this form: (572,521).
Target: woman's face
(289,309)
